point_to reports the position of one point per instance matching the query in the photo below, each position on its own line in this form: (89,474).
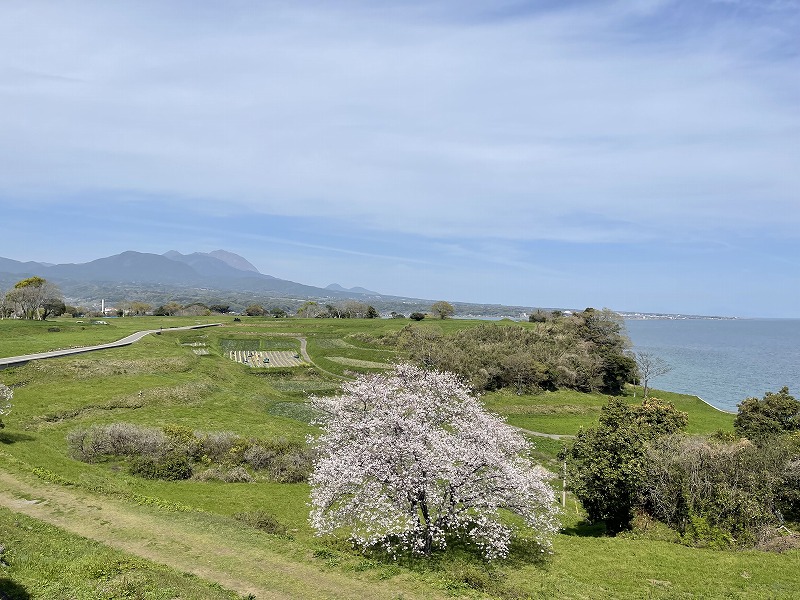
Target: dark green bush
(261,519)
(171,467)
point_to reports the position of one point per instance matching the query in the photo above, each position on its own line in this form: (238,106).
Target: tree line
(585,351)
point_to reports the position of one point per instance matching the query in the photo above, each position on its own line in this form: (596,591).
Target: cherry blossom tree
(410,459)
(6,394)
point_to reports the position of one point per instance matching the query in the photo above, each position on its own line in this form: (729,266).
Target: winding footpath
(15,361)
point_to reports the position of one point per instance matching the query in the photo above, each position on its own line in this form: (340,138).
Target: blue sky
(639,155)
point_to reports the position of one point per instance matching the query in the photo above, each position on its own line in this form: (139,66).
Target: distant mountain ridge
(210,277)
(221,264)
(356,290)
(220,270)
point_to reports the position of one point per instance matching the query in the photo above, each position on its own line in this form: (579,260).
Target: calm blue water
(723,361)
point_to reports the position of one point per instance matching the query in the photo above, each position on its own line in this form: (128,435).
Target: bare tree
(650,366)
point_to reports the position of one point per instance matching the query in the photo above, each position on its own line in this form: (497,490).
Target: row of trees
(349,309)
(586,351)
(722,490)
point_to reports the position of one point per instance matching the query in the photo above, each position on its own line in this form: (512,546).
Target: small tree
(372,313)
(649,366)
(254,310)
(442,309)
(6,394)
(409,459)
(417,316)
(309,310)
(537,317)
(52,307)
(608,461)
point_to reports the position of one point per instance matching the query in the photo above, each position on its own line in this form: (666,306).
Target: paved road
(14,361)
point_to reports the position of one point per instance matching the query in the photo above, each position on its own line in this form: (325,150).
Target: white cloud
(415,121)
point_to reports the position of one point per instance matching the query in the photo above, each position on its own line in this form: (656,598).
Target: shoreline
(722,410)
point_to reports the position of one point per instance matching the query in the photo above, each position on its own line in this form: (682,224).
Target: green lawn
(160,381)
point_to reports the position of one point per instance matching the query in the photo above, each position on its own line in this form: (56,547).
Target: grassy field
(78,530)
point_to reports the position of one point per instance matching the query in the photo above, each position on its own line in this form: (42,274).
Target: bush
(285,461)
(169,453)
(262,520)
(230,475)
(116,439)
(220,446)
(717,493)
(172,466)
(291,468)
(259,457)
(773,415)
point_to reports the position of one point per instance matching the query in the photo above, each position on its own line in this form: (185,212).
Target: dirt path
(173,539)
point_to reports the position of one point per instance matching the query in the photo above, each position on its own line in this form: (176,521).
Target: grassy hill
(74,529)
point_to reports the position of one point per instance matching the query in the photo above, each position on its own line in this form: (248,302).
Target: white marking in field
(257,358)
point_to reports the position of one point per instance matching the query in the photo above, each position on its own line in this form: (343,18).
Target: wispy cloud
(473,123)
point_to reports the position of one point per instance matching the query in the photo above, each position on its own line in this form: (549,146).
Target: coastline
(722,410)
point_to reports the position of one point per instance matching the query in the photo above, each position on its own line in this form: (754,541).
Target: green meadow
(73,529)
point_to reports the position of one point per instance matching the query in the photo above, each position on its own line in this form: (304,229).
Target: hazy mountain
(128,267)
(220,270)
(214,277)
(209,265)
(355,290)
(234,260)
(8,265)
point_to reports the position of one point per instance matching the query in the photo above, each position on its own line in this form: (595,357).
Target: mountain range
(218,270)
(208,277)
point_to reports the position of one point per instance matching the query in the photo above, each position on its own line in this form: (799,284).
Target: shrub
(172,466)
(718,493)
(291,468)
(229,475)
(116,439)
(261,519)
(169,453)
(217,445)
(259,457)
(773,415)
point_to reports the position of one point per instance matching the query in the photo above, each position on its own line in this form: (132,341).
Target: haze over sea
(722,361)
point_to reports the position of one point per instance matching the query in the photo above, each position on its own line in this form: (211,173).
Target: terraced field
(261,359)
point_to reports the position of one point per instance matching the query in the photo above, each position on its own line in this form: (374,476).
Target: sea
(723,361)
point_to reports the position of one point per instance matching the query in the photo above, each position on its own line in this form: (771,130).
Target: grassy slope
(44,561)
(159,381)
